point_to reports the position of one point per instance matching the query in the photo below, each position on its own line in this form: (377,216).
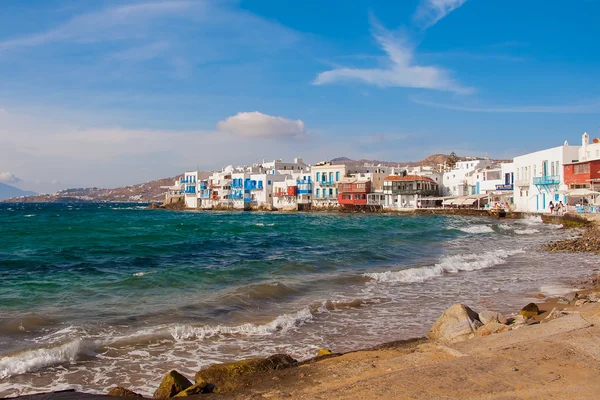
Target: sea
(97,295)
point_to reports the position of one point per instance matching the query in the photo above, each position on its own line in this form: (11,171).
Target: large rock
(119,391)
(457,323)
(197,388)
(324,352)
(489,316)
(226,377)
(172,384)
(530,310)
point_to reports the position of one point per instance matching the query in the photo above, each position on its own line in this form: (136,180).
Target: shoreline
(346,375)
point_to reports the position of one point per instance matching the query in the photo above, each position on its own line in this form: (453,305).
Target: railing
(546,180)
(327,183)
(522,182)
(188,180)
(189,190)
(421,192)
(505,187)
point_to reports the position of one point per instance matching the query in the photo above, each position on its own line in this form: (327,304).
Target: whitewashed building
(539,177)
(456,182)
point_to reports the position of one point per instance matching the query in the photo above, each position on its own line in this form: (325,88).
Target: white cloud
(257,124)
(430,12)
(591,107)
(402,70)
(8,177)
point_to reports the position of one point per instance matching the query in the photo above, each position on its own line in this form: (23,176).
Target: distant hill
(430,161)
(141,193)
(7,191)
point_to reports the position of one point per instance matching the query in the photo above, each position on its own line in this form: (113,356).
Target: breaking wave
(447,265)
(477,229)
(526,231)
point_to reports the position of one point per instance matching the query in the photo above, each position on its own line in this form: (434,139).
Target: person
(551,207)
(562,207)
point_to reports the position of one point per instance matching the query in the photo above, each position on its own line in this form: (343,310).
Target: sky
(106,93)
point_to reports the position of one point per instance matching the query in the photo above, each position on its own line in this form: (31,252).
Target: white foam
(140,274)
(531,220)
(477,229)
(506,227)
(526,231)
(449,264)
(282,323)
(31,360)
(29,215)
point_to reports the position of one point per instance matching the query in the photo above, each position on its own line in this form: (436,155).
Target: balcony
(522,182)
(187,180)
(327,183)
(189,190)
(504,187)
(546,180)
(411,192)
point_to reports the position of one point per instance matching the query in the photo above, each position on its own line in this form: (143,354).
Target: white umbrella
(581,193)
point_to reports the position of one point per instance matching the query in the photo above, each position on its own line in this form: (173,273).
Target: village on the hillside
(559,179)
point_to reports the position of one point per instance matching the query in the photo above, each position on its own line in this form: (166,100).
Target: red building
(584,174)
(353,192)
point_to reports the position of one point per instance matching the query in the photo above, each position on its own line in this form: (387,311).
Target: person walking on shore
(551,207)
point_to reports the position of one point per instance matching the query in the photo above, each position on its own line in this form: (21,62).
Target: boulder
(571,296)
(227,377)
(490,328)
(171,384)
(530,310)
(324,352)
(197,388)
(119,391)
(457,323)
(489,316)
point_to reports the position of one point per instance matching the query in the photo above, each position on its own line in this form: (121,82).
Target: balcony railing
(189,190)
(327,183)
(522,182)
(505,187)
(421,192)
(546,180)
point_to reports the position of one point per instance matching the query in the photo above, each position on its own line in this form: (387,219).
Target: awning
(468,202)
(447,202)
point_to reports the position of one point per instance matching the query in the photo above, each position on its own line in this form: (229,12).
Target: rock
(227,377)
(171,384)
(197,388)
(455,324)
(489,316)
(580,302)
(530,310)
(324,352)
(595,297)
(118,391)
(490,328)
(571,296)
(540,296)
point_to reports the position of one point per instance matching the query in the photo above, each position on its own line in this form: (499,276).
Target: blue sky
(107,92)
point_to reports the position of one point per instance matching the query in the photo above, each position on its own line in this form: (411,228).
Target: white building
(456,181)
(539,177)
(325,177)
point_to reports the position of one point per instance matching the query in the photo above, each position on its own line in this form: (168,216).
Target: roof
(408,178)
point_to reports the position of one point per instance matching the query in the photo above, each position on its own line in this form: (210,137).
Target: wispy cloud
(430,12)
(8,177)
(142,53)
(591,107)
(402,70)
(110,23)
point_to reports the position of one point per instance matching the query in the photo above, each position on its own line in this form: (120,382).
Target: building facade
(407,191)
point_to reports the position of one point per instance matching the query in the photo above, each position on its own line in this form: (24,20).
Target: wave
(31,360)
(526,231)
(447,265)
(282,324)
(262,291)
(477,229)
(29,215)
(506,227)
(531,220)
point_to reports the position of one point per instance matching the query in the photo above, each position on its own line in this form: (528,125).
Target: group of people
(558,208)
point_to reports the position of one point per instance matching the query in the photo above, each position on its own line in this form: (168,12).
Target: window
(318,191)
(582,168)
(269,183)
(318,176)
(337,176)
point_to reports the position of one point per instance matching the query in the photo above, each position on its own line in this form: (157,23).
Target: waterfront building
(353,191)
(539,177)
(189,188)
(456,182)
(494,178)
(584,173)
(285,168)
(434,174)
(407,191)
(325,177)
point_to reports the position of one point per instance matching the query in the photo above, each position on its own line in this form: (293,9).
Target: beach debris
(227,377)
(491,328)
(172,384)
(489,316)
(457,323)
(324,352)
(197,388)
(119,391)
(530,310)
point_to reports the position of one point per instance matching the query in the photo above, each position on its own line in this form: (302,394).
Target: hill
(141,193)
(434,160)
(7,191)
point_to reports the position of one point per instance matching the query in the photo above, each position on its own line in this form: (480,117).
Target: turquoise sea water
(94,295)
